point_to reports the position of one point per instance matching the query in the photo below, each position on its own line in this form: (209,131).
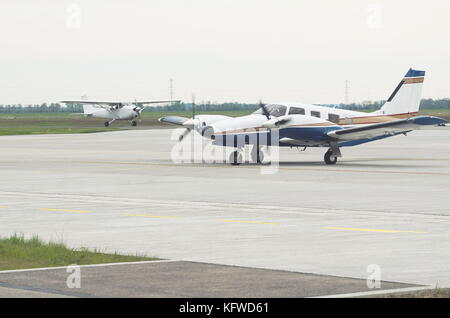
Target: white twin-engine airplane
(114,110)
(304,125)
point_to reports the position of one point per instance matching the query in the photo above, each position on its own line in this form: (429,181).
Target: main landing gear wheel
(329,158)
(236,158)
(257,156)
(134,123)
(106,123)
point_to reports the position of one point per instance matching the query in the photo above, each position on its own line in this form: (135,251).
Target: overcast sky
(221,50)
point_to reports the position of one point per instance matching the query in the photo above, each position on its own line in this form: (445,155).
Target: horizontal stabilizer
(386,128)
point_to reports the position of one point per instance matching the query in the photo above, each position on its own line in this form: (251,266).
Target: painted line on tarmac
(373,171)
(249,222)
(280,167)
(377,292)
(173,217)
(85,266)
(372,230)
(154,216)
(65,210)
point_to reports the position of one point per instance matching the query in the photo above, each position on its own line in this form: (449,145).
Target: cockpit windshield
(274,110)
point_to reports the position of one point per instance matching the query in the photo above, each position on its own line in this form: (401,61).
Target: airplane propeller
(264,109)
(188,130)
(184,134)
(274,122)
(137,109)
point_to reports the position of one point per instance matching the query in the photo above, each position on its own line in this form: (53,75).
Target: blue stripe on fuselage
(314,134)
(318,133)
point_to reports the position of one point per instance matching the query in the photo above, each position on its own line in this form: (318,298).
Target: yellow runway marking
(64,210)
(372,230)
(153,216)
(250,222)
(3,207)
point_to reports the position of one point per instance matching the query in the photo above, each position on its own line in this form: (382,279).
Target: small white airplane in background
(305,125)
(114,110)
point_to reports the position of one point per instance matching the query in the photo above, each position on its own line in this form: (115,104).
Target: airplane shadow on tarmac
(362,163)
(352,163)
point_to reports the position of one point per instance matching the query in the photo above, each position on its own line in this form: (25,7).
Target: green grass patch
(444,113)
(43,131)
(430,293)
(67,123)
(17,252)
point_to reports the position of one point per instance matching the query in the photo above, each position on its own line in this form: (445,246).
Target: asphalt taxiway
(170,279)
(385,204)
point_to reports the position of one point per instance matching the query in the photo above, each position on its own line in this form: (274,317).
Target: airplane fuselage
(124,113)
(304,124)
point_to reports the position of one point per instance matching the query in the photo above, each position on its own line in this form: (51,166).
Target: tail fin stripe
(396,90)
(413,80)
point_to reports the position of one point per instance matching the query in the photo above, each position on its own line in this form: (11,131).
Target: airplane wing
(156,102)
(92,102)
(176,120)
(115,103)
(386,128)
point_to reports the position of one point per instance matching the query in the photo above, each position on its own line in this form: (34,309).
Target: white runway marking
(82,266)
(378,292)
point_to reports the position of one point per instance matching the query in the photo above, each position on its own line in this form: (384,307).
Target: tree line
(426,103)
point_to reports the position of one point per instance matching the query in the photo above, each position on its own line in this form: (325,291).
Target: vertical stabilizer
(406,96)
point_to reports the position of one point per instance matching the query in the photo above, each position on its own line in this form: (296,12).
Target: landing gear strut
(107,123)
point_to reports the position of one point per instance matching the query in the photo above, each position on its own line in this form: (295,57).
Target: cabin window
(315,114)
(296,111)
(333,118)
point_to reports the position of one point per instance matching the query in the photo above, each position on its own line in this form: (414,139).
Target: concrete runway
(384,203)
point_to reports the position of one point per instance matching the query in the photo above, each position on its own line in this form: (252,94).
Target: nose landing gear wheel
(329,158)
(106,123)
(134,123)
(236,158)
